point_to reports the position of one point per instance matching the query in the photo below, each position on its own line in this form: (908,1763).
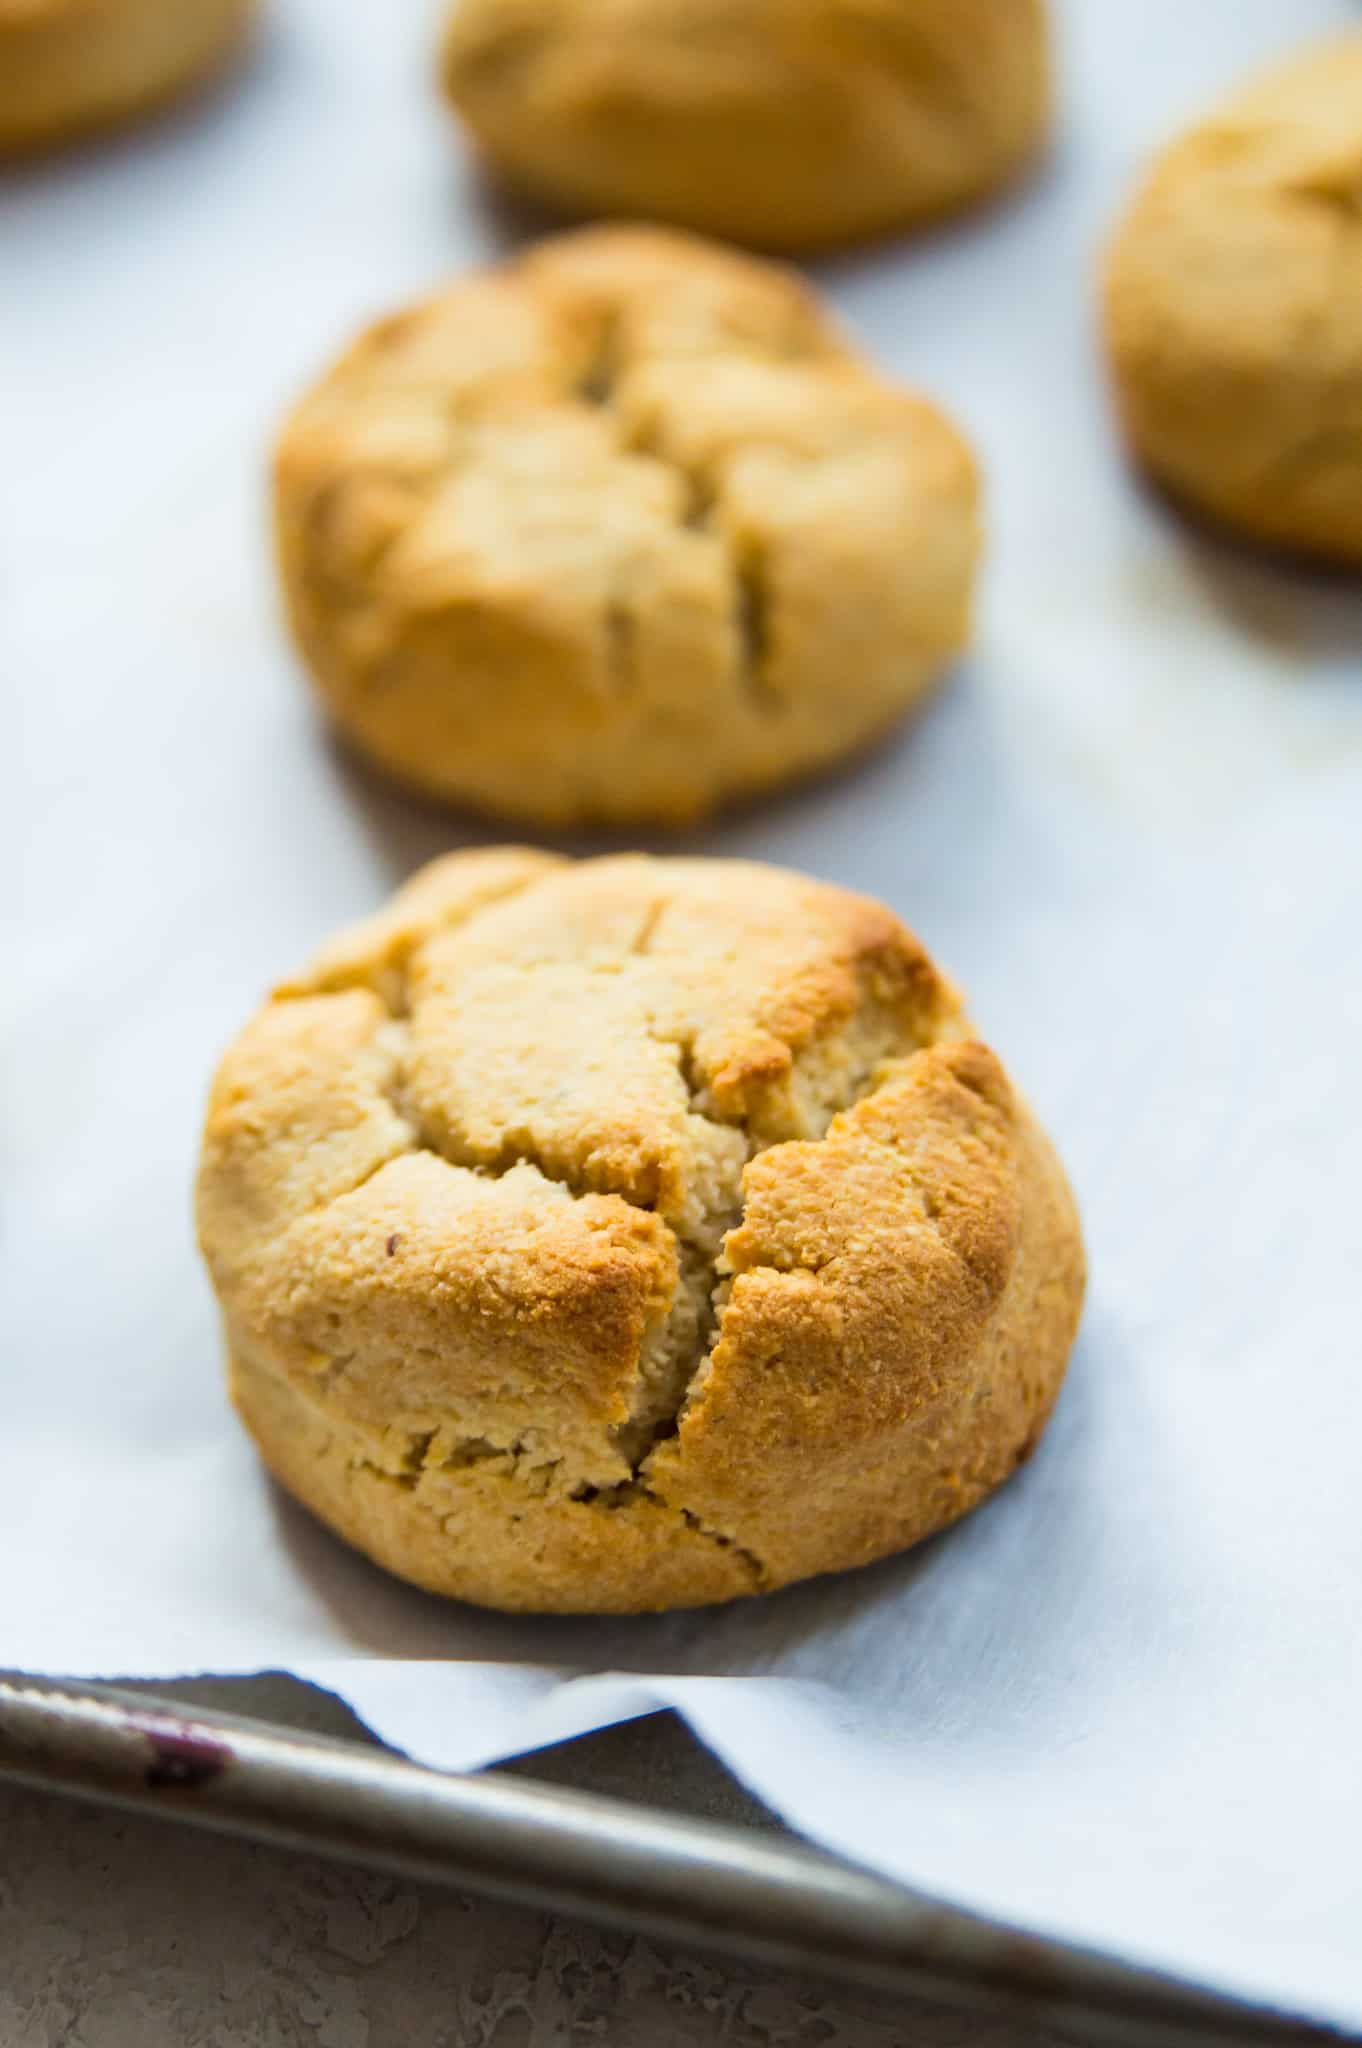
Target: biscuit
(67,66)
(784,124)
(1233,310)
(618,532)
(631,1233)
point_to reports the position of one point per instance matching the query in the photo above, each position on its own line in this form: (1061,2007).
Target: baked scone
(618,532)
(785,124)
(1233,309)
(630,1234)
(71,65)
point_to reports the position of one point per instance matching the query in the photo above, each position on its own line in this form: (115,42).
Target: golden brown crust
(619,531)
(647,1233)
(67,66)
(903,1302)
(784,124)
(1233,309)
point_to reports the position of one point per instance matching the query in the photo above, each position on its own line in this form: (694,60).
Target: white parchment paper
(1123,1701)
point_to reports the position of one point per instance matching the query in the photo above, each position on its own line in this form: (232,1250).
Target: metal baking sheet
(762,1898)
(1118,1707)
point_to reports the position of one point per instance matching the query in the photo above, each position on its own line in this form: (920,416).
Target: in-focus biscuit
(631,1234)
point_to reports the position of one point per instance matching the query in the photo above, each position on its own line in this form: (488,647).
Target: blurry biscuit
(71,65)
(1233,309)
(786,124)
(618,532)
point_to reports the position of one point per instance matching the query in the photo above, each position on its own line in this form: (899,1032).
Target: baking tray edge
(764,1899)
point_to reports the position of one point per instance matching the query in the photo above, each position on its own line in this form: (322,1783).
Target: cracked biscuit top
(631,1233)
(1233,308)
(618,532)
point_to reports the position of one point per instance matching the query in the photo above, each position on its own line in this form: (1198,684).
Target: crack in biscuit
(596,385)
(635,1489)
(535,1478)
(346,560)
(620,625)
(384,969)
(652,918)
(678,1343)
(697,514)
(409,1480)
(676,1353)
(753,608)
(729,1543)
(751,603)
(694,1317)
(1335,195)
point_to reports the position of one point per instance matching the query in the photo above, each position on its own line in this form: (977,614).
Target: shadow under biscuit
(905,1624)
(408,827)
(1295,605)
